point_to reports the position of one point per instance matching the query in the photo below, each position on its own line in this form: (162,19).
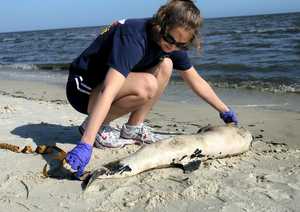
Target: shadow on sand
(50,135)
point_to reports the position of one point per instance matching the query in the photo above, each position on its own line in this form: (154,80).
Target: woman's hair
(178,13)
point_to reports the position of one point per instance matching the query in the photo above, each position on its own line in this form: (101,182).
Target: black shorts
(78,93)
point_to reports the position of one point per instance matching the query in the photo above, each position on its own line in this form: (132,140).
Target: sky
(25,15)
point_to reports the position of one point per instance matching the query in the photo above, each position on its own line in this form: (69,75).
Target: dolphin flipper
(191,166)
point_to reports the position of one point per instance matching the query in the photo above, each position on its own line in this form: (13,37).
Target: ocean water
(260,53)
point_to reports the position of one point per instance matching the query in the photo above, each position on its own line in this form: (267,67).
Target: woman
(126,69)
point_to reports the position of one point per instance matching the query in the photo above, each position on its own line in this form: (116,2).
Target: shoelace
(145,132)
(106,130)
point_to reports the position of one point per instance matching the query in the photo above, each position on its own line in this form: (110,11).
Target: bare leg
(162,74)
(137,90)
(139,93)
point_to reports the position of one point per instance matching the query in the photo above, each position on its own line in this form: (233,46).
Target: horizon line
(76,27)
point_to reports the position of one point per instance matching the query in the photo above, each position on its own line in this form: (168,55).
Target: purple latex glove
(79,157)
(229,117)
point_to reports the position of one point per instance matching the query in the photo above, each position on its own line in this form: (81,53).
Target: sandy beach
(267,178)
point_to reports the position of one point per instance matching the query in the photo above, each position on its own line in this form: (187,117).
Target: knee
(166,68)
(150,84)
(148,87)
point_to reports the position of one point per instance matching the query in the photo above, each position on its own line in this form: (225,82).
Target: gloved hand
(229,116)
(79,157)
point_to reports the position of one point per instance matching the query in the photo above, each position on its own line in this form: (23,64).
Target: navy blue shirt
(126,47)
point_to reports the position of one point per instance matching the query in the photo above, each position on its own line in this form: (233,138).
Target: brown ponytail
(178,13)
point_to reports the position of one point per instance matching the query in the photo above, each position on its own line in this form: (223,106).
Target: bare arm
(203,89)
(112,85)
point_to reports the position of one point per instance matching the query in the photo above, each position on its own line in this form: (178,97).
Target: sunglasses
(171,40)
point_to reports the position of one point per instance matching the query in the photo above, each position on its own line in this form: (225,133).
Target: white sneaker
(107,136)
(140,133)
